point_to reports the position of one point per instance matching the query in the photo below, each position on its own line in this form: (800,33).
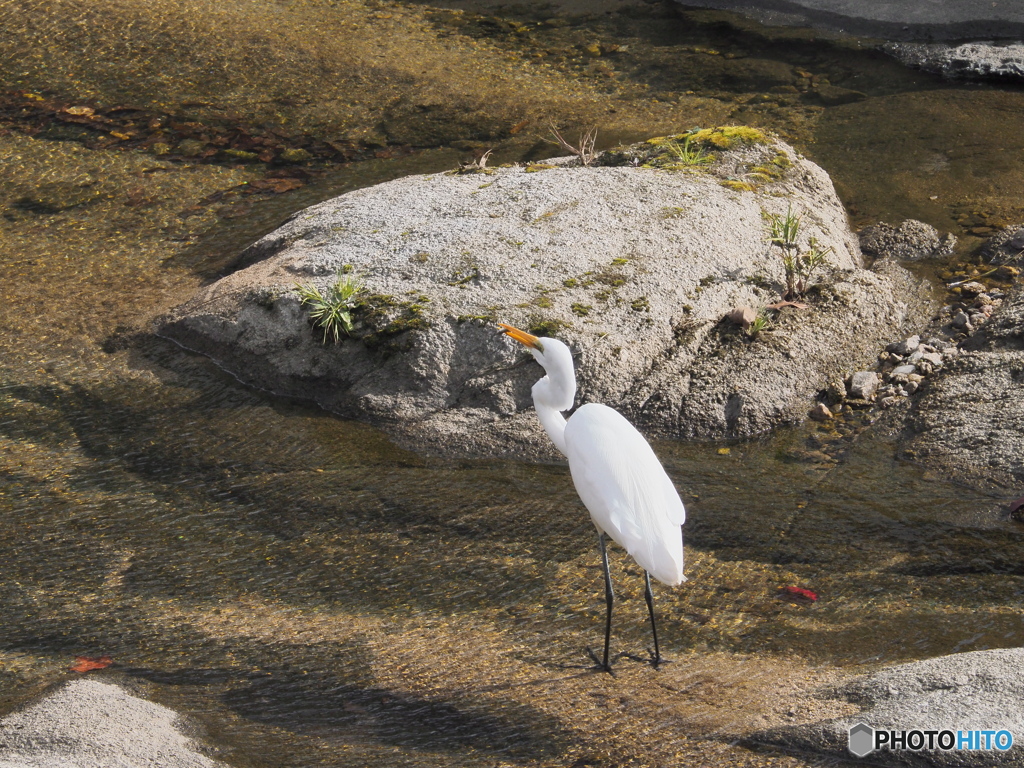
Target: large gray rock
(970,421)
(87,723)
(973,61)
(888,19)
(635,267)
(981,690)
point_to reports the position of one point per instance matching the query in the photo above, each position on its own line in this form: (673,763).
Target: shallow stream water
(310,594)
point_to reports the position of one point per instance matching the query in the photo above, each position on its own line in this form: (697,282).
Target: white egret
(616,474)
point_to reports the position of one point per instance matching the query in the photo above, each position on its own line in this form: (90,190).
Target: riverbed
(310,594)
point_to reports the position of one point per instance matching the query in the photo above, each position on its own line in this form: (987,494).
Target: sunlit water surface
(313,595)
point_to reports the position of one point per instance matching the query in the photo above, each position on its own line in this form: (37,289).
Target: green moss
(570,282)
(264,296)
(691,151)
(672,212)
(485,319)
(543,301)
(729,136)
(611,279)
(534,167)
(664,141)
(773,170)
(465,275)
(739,186)
(619,262)
(640,305)
(581,309)
(385,317)
(550,328)
(295,155)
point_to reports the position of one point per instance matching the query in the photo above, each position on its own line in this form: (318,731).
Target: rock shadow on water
(321,704)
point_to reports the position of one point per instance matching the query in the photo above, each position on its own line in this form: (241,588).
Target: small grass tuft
(761,323)
(783,232)
(686,155)
(331,310)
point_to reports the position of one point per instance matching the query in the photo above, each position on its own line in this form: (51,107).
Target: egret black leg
(609,598)
(649,597)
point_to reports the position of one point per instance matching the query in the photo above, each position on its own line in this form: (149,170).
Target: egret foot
(600,664)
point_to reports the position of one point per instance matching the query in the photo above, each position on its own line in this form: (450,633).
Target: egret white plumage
(616,474)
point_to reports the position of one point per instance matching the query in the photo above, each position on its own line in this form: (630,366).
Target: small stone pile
(905,364)
(975,308)
(902,367)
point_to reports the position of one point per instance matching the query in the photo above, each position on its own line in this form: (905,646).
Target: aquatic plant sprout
(331,310)
(783,232)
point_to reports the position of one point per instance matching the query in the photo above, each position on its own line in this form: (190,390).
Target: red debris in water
(799,593)
(89,663)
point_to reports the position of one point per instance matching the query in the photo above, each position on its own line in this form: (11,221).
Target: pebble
(971,289)
(903,370)
(931,357)
(820,412)
(962,321)
(863,384)
(905,347)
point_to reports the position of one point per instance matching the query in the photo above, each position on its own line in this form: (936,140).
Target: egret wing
(626,490)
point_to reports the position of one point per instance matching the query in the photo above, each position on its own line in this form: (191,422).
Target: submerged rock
(981,690)
(635,266)
(910,241)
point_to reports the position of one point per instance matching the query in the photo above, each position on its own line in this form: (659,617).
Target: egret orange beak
(523,337)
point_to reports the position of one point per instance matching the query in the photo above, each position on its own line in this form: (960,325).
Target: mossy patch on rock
(381,318)
(730,136)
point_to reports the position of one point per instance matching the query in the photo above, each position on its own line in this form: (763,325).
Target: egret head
(558,388)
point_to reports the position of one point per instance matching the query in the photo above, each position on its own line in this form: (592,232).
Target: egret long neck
(555,392)
(554,424)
